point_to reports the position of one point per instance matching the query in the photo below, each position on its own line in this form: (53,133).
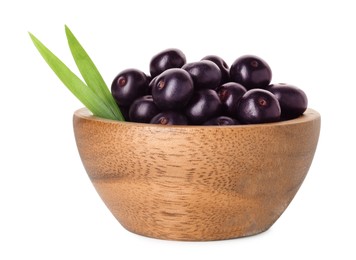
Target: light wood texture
(192,182)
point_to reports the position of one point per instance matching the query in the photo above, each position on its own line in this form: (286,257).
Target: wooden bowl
(196,183)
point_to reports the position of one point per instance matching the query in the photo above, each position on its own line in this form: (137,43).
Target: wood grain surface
(192,182)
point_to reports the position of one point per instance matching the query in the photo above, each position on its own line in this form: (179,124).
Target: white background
(48,207)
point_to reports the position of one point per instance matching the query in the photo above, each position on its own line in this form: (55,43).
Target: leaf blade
(91,74)
(72,82)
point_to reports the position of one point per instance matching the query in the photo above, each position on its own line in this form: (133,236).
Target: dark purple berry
(169,118)
(251,72)
(172,89)
(205,74)
(129,85)
(293,101)
(204,104)
(224,68)
(258,106)
(143,109)
(222,120)
(167,59)
(230,94)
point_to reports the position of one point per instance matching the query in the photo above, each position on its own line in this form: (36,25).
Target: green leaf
(73,83)
(91,74)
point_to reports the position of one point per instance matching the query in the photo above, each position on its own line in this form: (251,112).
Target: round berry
(205,74)
(172,89)
(129,85)
(258,106)
(224,68)
(167,59)
(143,109)
(293,101)
(205,104)
(251,72)
(230,94)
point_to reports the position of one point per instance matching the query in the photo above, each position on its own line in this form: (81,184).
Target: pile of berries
(205,92)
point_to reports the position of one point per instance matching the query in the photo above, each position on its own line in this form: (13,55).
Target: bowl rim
(309,115)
